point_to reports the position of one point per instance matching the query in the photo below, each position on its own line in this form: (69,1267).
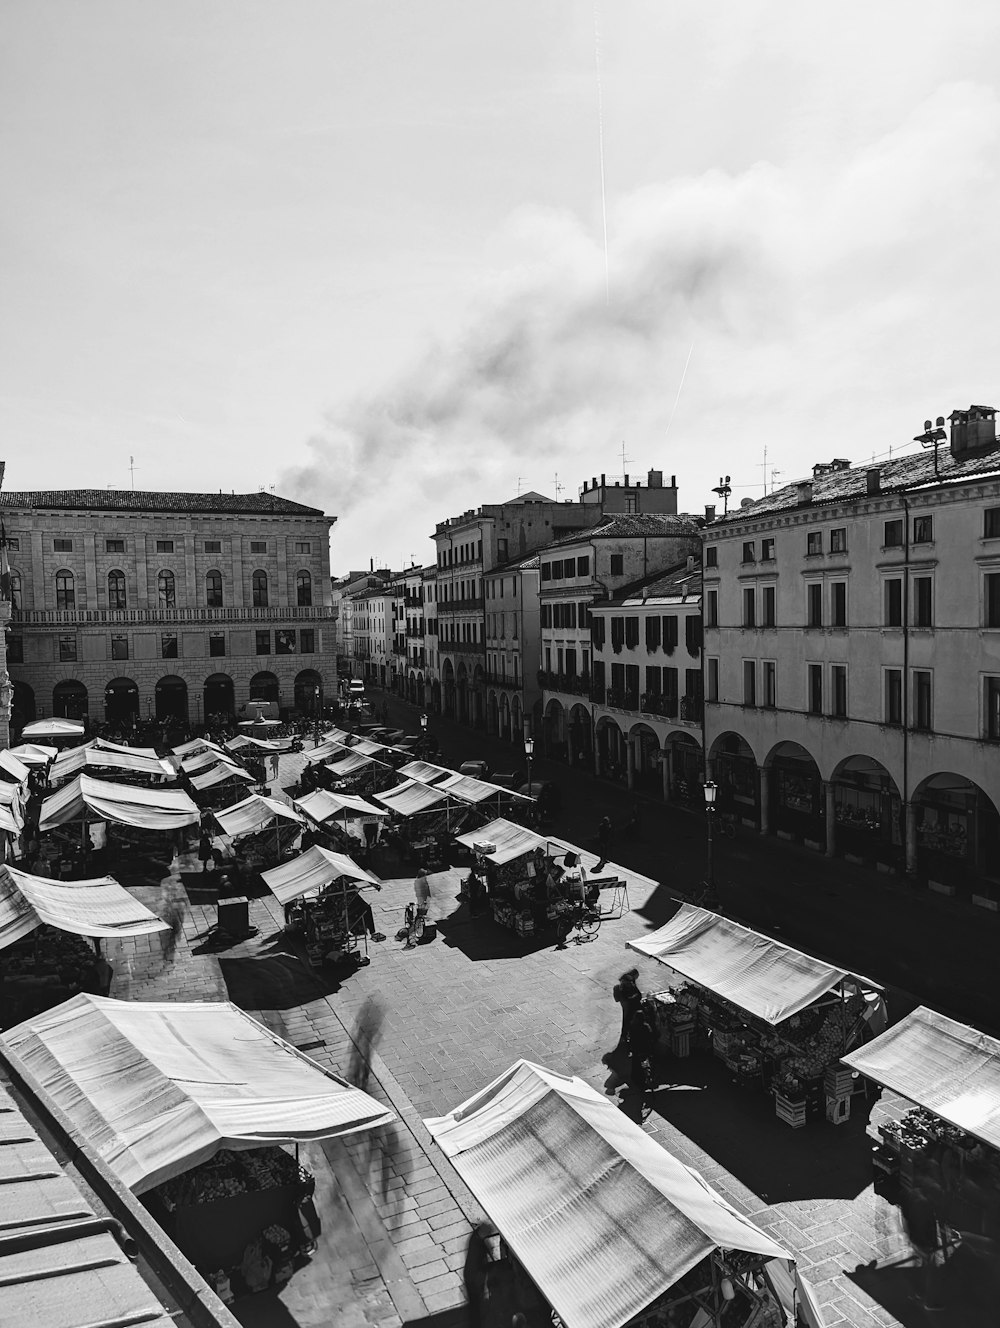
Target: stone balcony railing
(460,605)
(158,617)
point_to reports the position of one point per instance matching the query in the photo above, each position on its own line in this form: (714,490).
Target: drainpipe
(909,812)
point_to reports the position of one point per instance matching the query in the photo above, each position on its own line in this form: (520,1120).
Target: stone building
(132,605)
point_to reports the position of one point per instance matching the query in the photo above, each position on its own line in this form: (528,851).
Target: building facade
(852,671)
(512,647)
(132,605)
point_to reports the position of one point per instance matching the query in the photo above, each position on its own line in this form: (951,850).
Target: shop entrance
(121,702)
(171,698)
(218,696)
(69,700)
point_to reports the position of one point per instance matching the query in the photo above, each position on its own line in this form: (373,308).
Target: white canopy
(322,805)
(350,765)
(104,745)
(157,1088)
(311,871)
(241,742)
(947,1067)
(753,971)
(208,756)
(337,735)
(126,804)
(602,1217)
(327,751)
(98,907)
(411,798)
(13,766)
(424,772)
(11,820)
(514,841)
(107,757)
(34,753)
(368,747)
(469,789)
(194,745)
(221,774)
(52,728)
(252,814)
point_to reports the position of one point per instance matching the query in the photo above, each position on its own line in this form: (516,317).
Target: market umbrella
(52,728)
(34,753)
(97,907)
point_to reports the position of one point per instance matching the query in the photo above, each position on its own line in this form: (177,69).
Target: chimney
(603,481)
(873,476)
(690,562)
(709,511)
(804,491)
(371,564)
(593,482)
(654,480)
(973,430)
(626,481)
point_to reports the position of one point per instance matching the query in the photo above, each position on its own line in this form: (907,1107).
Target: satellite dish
(940,422)
(746,502)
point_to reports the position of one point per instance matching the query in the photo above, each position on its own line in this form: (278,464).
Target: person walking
(642,1037)
(205,849)
(626,992)
(604,838)
(422,901)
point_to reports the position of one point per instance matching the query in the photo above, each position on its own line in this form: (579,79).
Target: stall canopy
(241,742)
(99,907)
(327,751)
(424,772)
(311,871)
(91,756)
(367,747)
(41,729)
(105,746)
(411,798)
(208,756)
(157,1088)
(12,767)
(125,804)
(252,814)
(34,753)
(194,745)
(220,774)
(946,1067)
(351,765)
(755,972)
(323,806)
(602,1217)
(513,841)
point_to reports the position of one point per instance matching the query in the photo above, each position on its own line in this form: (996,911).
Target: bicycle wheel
(590,924)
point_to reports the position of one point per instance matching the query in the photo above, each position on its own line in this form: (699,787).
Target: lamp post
(529,747)
(316,696)
(423,734)
(711,789)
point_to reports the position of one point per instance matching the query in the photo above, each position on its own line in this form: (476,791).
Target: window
(814,543)
(652,634)
(712,556)
(838,603)
(991,586)
(546,571)
(258,546)
(67,648)
(263,639)
(545,616)
(670,630)
(893,616)
(13,542)
(630,502)
(767,550)
(749,607)
(814,604)
(62,545)
(991,523)
(692,634)
(893,696)
(284,641)
(617,564)
(213,546)
(164,546)
(922,699)
(768,602)
(711,612)
(893,536)
(838,539)
(119,647)
(114,546)
(259,583)
(216,643)
(66,590)
(168,645)
(303,590)
(768,680)
(631,631)
(213,590)
(583,567)
(991,707)
(713,678)
(557,570)
(166,590)
(838,684)
(15,649)
(923,530)
(923,611)
(749,682)
(15,590)
(748,552)
(116,590)
(303,546)
(815,687)
(307,641)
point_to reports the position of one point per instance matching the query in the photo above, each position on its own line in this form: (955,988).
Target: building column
(764,798)
(570,746)
(830,810)
(667,769)
(630,763)
(597,752)
(910,837)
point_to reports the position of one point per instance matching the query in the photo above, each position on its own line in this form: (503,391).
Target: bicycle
(580,918)
(704,895)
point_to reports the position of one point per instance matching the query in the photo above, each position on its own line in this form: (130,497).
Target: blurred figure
(478,1259)
(366,1035)
(172,910)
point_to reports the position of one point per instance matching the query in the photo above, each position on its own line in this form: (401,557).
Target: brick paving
(459,1011)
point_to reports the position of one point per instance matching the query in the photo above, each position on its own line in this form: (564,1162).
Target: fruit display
(49,951)
(229,1173)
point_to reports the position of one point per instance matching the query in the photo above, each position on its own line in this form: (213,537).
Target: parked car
(475,769)
(511,781)
(355,688)
(408,742)
(545,793)
(391,737)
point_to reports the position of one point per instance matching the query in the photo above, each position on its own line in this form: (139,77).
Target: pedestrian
(642,1038)
(205,849)
(422,897)
(478,1259)
(626,992)
(604,838)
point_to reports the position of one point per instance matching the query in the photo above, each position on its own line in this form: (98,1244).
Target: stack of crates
(838,1084)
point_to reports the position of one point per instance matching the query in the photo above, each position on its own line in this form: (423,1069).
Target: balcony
(159,617)
(466,648)
(574,684)
(460,605)
(504,680)
(666,706)
(413,601)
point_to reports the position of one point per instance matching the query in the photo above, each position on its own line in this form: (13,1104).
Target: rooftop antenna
(775,472)
(724,489)
(519,483)
(764,468)
(932,436)
(625,461)
(132,469)
(559,487)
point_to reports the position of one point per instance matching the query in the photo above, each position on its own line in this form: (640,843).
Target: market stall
(357,773)
(423,818)
(141,814)
(424,772)
(43,956)
(601,1224)
(207,1152)
(57,732)
(34,754)
(489,800)
(193,746)
(348,820)
(321,894)
(777,1018)
(12,768)
(221,784)
(263,829)
(104,761)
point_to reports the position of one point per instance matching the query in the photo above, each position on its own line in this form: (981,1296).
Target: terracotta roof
(142,500)
(517,564)
(648,524)
(678,580)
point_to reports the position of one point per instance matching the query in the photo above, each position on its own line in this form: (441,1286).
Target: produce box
(793,1113)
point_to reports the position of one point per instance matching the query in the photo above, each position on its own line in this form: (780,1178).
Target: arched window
(303,590)
(166,590)
(260,590)
(65,590)
(15,590)
(213,590)
(116,590)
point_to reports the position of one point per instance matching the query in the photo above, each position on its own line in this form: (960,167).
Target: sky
(356,251)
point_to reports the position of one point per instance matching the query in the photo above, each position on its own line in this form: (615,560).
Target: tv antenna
(559,487)
(625,461)
(132,467)
(932,436)
(519,483)
(724,489)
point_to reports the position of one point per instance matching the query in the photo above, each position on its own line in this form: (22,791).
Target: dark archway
(796,798)
(69,699)
(957,833)
(265,687)
(22,705)
(171,695)
(308,693)
(734,770)
(121,702)
(219,698)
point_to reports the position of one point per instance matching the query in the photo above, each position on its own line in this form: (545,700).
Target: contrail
(600,139)
(680,388)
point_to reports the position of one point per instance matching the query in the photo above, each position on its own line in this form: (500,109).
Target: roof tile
(143,500)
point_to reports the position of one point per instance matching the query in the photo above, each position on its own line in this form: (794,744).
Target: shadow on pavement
(963,1292)
(453,1318)
(265,1310)
(482,938)
(738,1127)
(275,982)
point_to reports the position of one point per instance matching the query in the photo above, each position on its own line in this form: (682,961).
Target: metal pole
(709,813)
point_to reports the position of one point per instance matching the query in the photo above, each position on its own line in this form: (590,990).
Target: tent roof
(157,1088)
(755,972)
(327,751)
(514,841)
(201,760)
(11,820)
(321,805)
(351,764)
(469,789)
(105,746)
(367,747)
(221,774)
(241,741)
(126,804)
(98,907)
(74,760)
(14,766)
(253,813)
(52,728)
(947,1067)
(424,772)
(34,753)
(410,798)
(311,871)
(602,1217)
(194,745)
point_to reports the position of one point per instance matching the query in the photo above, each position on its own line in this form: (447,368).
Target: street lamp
(316,696)
(529,747)
(711,789)
(423,723)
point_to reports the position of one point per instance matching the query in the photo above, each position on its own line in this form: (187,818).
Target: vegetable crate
(792,1112)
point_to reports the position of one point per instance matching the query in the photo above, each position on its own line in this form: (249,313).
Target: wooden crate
(793,1113)
(838,1108)
(680,1043)
(839,1082)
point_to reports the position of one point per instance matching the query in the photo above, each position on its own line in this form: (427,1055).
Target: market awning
(12,767)
(52,728)
(311,871)
(946,1067)
(126,804)
(105,746)
(98,907)
(367,747)
(351,765)
(322,805)
(510,841)
(252,814)
(221,774)
(241,742)
(424,772)
(755,972)
(602,1217)
(469,789)
(194,745)
(208,756)
(410,798)
(91,756)
(157,1088)
(327,751)
(34,753)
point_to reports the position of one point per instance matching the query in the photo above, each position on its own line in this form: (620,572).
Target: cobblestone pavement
(459,1011)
